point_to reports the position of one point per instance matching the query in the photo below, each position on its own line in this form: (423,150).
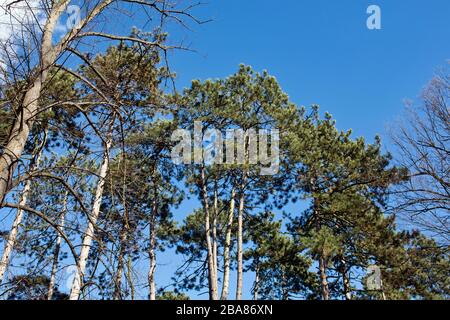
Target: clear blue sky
(321,53)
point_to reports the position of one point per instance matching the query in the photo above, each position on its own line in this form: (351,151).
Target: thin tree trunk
(347,290)
(346,281)
(120,263)
(240,249)
(322,259)
(323,278)
(130,277)
(12,237)
(151,272)
(89,233)
(152,248)
(256,286)
(214,229)
(213,291)
(227,247)
(124,232)
(62,219)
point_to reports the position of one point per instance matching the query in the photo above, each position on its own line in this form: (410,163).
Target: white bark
(151,272)
(256,287)
(214,230)
(89,233)
(240,250)
(227,247)
(152,248)
(212,277)
(12,237)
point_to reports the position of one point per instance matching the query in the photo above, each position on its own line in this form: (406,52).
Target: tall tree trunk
(23,124)
(347,290)
(227,247)
(151,272)
(323,278)
(322,259)
(256,286)
(89,233)
(212,277)
(62,219)
(124,232)
(130,277)
(152,248)
(120,263)
(346,281)
(214,229)
(240,249)
(12,237)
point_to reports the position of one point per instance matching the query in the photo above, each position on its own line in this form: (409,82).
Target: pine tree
(333,171)
(281,270)
(247,101)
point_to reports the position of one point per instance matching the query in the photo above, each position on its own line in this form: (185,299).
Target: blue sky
(322,53)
